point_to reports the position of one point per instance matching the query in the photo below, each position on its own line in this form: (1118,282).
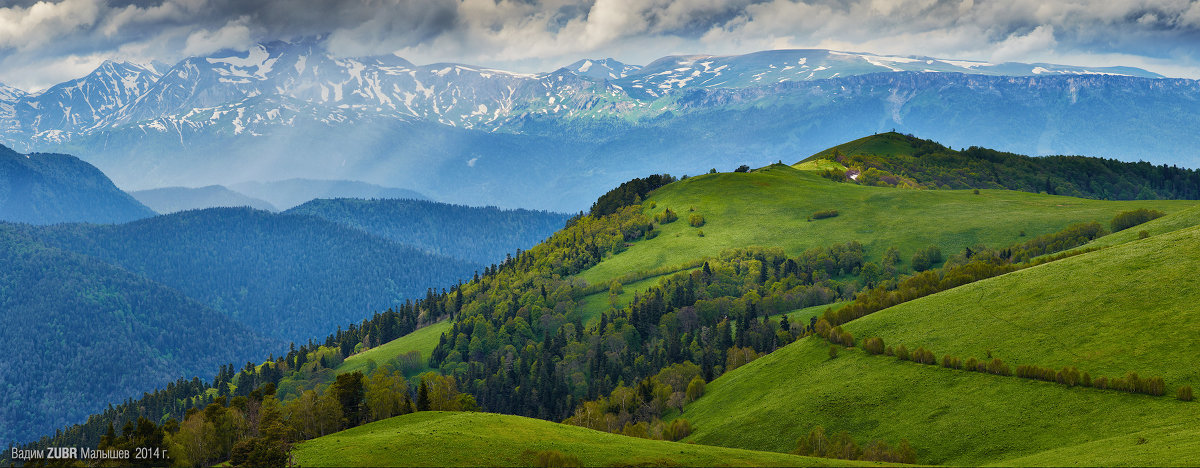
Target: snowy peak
(603,69)
(83,102)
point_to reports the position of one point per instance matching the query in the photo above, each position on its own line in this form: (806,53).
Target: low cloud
(44,42)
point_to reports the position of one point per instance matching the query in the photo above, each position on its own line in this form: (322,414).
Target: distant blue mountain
(171,199)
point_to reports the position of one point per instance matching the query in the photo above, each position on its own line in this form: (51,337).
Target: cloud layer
(45,42)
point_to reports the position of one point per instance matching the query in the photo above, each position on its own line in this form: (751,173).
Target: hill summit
(897,160)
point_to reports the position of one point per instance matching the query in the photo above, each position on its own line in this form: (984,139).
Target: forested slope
(89,334)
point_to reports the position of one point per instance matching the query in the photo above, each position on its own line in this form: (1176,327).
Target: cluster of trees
(931,165)
(926,258)
(479,235)
(1068,375)
(695,220)
(628,193)
(1072,236)
(1128,219)
(637,411)
(842,445)
(257,429)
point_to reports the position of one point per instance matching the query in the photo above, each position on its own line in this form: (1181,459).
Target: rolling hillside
(1125,308)
(433,438)
(772,206)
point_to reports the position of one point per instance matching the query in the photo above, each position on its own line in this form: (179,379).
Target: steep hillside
(431,438)
(892,159)
(89,334)
(482,235)
(171,199)
(289,193)
(288,277)
(772,207)
(56,188)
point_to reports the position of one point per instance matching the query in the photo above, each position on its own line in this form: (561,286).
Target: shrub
(1129,219)
(666,217)
(976,191)
(832,351)
(695,388)
(998,367)
(847,339)
(923,356)
(825,214)
(742,168)
(1155,386)
(926,258)
(873,345)
(554,459)
(678,429)
(902,353)
(700,233)
(1143,234)
(951,362)
(972,364)
(695,220)
(1184,393)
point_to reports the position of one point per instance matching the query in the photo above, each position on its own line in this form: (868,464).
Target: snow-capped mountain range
(275,83)
(556,140)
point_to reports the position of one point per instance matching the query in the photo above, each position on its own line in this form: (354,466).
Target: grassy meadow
(432,438)
(771,207)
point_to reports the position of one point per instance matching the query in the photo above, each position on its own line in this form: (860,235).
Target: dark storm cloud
(43,42)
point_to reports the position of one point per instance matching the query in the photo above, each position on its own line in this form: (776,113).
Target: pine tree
(423,396)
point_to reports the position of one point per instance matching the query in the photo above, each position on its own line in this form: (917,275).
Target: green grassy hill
(433,438)
(771,207)
(1129,307)
(949,416)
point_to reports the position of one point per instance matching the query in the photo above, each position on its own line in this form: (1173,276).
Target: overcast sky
(46,42)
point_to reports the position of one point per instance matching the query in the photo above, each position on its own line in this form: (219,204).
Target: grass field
(423,340)
(1130,307)
(483,439)
(950,417)
(770,207)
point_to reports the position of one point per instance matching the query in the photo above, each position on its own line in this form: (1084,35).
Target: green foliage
(926,258)
(1184,393)
(1128,219)
(628,194)
(695,220)
(666,217)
